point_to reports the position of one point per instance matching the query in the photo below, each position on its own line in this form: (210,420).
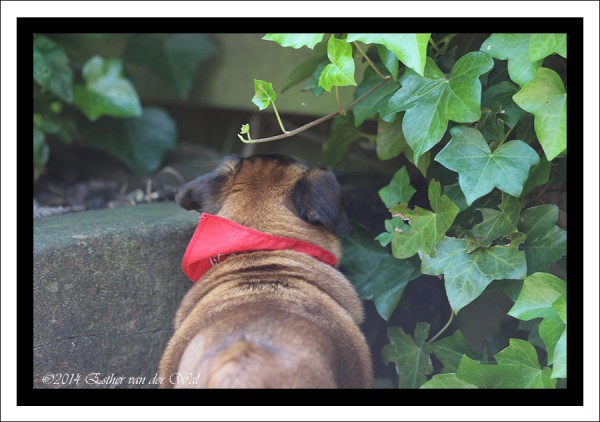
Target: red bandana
(216,238)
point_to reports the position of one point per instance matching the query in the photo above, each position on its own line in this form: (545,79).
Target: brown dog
(275,318)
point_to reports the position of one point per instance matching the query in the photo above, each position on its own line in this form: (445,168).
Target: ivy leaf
(450,350)
(411,356)
(295,40)
(467,275)
(391,225)
(490,124)
(518,367)
(51,68)
(343,134)
(457,196)
(411,49)
(374,272)
(515,49)
(434,99)
(496,224)
(375,101)
(560,306)
(425,228)
(538,175)
(312,85)
(523,354)
(139,142)
(546,243)
(559,365)
(40,149)
(543,45)
(390,143)
(263,94)
(546,98)
(539,292)
(184,54)
(399,191)
(551,329)
(389,60)
(502,93)
(106,91)
(446,381)
(175,60)
(340,72)
(305,69)
(480,169)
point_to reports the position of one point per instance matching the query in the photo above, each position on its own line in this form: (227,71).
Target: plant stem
(324,118)
(339,103)
(278,118)
(368,60)
(435,47)
(443,328)
(505,138)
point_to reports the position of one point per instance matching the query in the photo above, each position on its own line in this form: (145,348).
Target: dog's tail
(244,365)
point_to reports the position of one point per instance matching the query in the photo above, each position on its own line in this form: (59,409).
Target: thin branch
(435,46)
(322,119)
(337,99)
(278,119)
(368,60)
(443,328)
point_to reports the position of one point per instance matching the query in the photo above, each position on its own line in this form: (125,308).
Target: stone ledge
(107,284)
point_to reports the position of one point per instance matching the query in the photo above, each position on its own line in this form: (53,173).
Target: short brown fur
(273,319)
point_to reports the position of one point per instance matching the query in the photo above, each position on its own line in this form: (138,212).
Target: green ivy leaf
(306,69)
(106,91)
(411,356)
(502,93)
(523,354)
(546,243)
(539,292)
(375,101)
(51,69)
(391,226)
(515,49)
(40,149)
(343,134)
(559,365)
(399,191)
(546,98)
(263,94)
(446,381)
(139,142)
(457,196)
(490,125)
(176,59)
(480,169)
(495,223)
(374,272)
(518,367)
(467,275)
(295,40)
(340,72)
(184,54)
(431,101)
(538,175)
(390,143)
(410,49)
(425,228)
(450,350)
(389,60)
(543,45)
(551,329)
(560,306)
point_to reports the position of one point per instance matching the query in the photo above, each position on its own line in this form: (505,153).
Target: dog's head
(274,194)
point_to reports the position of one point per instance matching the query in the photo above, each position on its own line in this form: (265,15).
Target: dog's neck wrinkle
(340,289)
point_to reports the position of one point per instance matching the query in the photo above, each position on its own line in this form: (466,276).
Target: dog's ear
(318,198)
(204,192)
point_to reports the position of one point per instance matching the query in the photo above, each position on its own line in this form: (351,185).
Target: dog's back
(270,319)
